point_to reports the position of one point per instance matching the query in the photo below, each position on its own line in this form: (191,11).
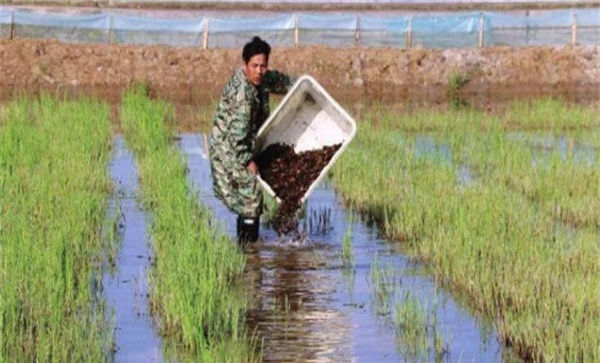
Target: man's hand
(253,167)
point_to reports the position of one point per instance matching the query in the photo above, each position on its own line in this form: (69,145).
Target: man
(242,109)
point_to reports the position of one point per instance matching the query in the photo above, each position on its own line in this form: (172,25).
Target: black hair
(254,47)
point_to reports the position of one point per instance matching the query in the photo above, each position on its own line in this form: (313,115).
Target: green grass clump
(195,290)
(54,186)
(519,240)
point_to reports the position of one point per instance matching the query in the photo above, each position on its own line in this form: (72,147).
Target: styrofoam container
(309,119)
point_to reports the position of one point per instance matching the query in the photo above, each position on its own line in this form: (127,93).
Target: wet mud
(290,175)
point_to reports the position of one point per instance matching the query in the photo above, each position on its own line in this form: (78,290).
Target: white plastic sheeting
(5,22)
(588,26)
(141,30)
(383,31)
(552,27)
(327,29)
(235,32)
(80,28)
(449,30)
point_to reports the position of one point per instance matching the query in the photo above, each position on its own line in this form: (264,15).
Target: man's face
(256,68)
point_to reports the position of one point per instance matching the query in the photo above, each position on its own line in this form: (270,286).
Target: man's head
(256,60)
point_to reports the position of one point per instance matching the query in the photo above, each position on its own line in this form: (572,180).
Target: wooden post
(296,21)
(12,25)
(110,29)
(574,29)
(357,33)
(409,33)
(481,30)
(205,36)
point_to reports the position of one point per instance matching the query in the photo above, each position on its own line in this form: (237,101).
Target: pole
(12,25)
(205,35)
(357,33)
(409,33)
(296,30)
(110,28)
(480,30)
(574,29)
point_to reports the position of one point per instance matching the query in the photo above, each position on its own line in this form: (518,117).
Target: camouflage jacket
(242,110)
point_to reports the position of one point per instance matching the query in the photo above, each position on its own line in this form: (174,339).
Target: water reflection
(543,146)
(126,288)
(307,308)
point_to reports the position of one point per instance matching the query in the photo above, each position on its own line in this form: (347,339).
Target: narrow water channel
(307,307)
(126,286)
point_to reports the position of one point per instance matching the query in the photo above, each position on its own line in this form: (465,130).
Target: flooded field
(126,283)
(309,307)
(450,236)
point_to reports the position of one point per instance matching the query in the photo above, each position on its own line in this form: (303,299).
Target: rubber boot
(247,229)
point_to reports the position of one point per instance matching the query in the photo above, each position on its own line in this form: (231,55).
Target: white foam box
(307,118)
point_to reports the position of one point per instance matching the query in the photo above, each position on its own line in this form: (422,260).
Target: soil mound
(191,75)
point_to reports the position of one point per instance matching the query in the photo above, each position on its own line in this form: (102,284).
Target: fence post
(296,21)
(12,25)
(481,30)
(574,28)
(110,28)
(357,33)
(409,33)
(205,35)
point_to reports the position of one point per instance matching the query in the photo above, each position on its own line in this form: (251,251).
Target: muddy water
(126,287)
(307,307)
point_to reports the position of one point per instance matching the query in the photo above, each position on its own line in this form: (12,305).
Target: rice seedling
(383,286)
(54,188)
(319,221)
(411,326)
(347,247)
(494,240)
(196,290)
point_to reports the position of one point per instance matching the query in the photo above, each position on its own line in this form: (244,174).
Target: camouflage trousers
(237,187)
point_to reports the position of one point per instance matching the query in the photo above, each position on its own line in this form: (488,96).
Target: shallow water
(307,306)
(126,287)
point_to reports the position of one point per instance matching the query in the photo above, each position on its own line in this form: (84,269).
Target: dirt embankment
(190,75)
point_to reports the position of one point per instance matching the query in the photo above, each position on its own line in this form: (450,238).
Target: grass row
(518,237)
(54,185)
(195,288)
